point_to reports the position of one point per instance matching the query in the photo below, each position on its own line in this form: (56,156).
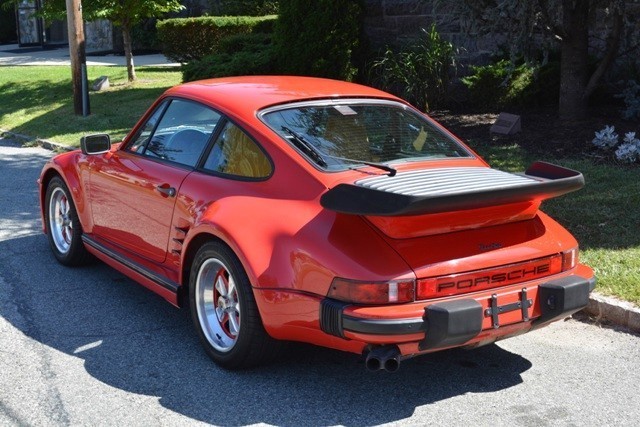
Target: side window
(143,137)
(234,153)
(182,134)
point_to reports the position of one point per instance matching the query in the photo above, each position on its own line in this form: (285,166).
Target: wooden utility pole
(78,58)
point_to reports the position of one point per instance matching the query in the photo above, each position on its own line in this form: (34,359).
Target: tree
(124,13)
(569,22)
(127,13)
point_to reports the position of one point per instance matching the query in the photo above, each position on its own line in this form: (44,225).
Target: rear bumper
(464,319)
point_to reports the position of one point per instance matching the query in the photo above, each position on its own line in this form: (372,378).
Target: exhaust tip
(373,364)
(385,357)
(391,365)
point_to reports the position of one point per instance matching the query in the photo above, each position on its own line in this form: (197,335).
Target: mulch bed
(542,130)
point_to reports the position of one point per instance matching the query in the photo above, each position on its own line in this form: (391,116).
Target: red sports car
(304,209)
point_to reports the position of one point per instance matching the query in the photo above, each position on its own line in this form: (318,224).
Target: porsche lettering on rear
(305,209)
(501,277)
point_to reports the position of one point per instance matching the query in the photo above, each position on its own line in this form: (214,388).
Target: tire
(224,311)
(63,226)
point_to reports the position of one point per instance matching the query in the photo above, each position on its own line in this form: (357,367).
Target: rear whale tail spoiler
(450,189)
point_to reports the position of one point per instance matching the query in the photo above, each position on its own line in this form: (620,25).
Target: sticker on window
(345,110)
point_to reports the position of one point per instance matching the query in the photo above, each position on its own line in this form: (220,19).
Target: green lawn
(604,216)
(37,100)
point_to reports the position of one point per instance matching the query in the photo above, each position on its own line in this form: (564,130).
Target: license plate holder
(495,310)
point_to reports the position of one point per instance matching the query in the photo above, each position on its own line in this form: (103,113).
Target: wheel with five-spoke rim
(62,225)
(224,311)
(217,305)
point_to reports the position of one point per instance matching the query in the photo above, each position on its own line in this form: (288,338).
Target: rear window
(338,136)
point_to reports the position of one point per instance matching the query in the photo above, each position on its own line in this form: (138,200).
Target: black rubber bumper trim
(451,323)
(331,317)
(382,327)
(562,297)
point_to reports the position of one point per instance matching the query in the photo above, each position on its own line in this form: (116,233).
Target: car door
(133,190)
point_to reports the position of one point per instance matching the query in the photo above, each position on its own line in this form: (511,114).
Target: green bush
(186,39)
(266,26)
(504,84)
(144,36)
(241,54)
(319,38)
(419,72)
(244,7)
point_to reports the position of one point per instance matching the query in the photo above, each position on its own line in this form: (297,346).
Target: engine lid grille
(446,181)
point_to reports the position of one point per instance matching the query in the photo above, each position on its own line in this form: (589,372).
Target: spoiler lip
(547,181)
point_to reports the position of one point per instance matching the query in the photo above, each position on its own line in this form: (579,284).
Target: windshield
(340,135)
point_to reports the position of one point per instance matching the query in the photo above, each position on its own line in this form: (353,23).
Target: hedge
(240,54)
(186,39)
(319,38)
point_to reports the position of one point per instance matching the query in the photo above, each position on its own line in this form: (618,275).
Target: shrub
(606,138)
(244,7)
(631,97)
(504,83)
(419,72)
(241,54)
(186,39)
(319,38)
(144,36)
(627,152)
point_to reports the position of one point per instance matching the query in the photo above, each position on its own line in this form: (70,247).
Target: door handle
(168,191)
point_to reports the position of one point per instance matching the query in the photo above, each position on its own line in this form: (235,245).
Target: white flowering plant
(606,138)
(627,152)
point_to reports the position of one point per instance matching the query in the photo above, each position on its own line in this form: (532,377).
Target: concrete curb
(613,310)
(603,308)
(44,143)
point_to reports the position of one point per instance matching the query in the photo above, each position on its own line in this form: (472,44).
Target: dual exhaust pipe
(386,357)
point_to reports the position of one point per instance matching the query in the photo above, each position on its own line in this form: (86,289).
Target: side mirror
(95,144)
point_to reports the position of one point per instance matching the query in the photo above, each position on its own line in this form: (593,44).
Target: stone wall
(394,22)
(98,35)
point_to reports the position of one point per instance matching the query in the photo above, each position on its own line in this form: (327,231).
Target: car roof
(252,93)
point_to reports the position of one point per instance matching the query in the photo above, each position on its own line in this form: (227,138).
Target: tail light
(570,259)
(366,292)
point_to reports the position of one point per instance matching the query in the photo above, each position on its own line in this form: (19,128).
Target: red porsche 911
(304,209)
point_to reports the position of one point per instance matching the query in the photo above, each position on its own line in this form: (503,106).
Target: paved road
(88,347)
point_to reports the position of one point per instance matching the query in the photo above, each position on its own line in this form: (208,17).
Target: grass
(603,216)
(38,101)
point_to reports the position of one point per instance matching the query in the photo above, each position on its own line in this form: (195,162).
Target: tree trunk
(574,64)
(128,51)
(78,57)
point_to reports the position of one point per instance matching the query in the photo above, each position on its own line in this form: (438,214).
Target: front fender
(69,166)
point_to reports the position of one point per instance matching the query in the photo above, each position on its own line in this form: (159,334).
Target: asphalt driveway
(87,346)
